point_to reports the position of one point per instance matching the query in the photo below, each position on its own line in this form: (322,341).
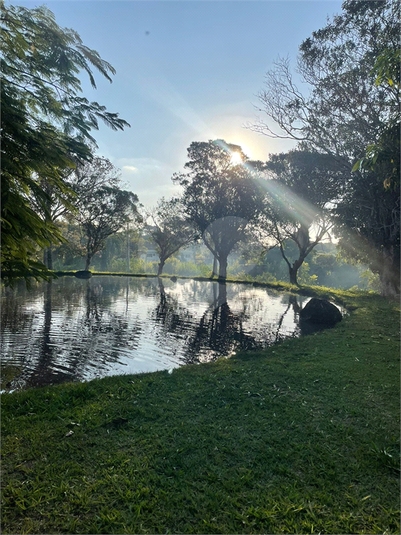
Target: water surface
(76,330)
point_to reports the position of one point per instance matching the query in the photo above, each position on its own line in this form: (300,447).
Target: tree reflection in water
(218,333)
(88,338)
(175,321)
(305,327)
(74,330)
(219,329)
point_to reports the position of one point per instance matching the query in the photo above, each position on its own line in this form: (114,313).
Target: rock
(174,279)
(321,311)
(83,274)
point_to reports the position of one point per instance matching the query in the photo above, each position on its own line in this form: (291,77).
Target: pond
(77,330)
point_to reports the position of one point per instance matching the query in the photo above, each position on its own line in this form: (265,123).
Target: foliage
(221,197)
(345,108)
(380,168)
(46,126)
(176,267)
(70,253)
(325,267)
(103,212)
(300,186)
(138,265)
(81,180)
(371,280)
(350,109)
(116,249)
(113,257)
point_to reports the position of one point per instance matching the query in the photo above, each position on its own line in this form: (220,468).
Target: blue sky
(186,71)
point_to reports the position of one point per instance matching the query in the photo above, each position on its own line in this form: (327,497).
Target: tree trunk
(223,267)
(160,268)
(389,274)
(88,262)
(293,275)
(293,270)
(48,257)
(214,272)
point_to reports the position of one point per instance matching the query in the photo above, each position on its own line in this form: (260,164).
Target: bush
(304,277)
(138,265)
(174,266)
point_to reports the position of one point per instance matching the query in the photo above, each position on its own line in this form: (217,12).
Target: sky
(187,71)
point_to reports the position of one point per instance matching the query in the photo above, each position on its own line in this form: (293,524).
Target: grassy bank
(301,438)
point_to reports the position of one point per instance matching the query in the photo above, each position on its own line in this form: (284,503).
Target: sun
(236,158)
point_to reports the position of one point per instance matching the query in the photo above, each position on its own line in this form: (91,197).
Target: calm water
(76,330)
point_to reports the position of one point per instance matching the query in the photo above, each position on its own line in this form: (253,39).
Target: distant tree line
(341,180)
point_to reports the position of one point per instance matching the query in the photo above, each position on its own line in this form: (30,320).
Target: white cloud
(129,169)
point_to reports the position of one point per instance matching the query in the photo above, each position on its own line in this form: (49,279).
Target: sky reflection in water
(76,330)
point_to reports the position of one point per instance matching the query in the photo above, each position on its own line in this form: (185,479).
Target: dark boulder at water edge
(321,311)
(83,274)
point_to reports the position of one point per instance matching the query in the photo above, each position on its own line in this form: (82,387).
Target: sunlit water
(76,330)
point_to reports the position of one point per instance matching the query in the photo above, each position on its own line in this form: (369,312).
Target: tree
(119,249)
(300,186)
(68,255)
(221,197)
(345,113)
(169,229)
(103,213)
(82,180)
(378,233)
(46,126)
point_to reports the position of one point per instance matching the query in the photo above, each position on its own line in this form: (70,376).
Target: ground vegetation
(301,437)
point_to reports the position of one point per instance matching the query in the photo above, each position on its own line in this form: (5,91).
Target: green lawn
(300,438)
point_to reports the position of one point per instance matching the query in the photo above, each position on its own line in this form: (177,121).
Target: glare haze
(186,71)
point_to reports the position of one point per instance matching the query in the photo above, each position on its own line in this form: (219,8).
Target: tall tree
(81,180)
(46,125)
(169,229)
(345,112)
(299,187)
(376,239)
(103,212)
(221,195)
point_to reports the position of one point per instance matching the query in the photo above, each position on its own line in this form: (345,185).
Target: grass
(300,438)
(285,286)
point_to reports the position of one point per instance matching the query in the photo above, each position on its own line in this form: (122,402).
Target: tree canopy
(103,212)
(299,187)
(46,126)
(221,196)
(350,111)
(169,229)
